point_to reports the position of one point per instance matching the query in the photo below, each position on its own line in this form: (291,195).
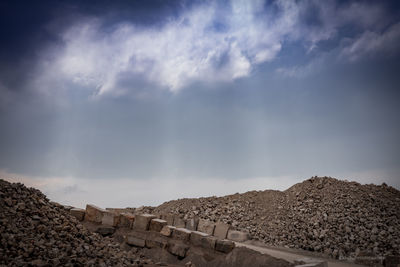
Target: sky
(130,103)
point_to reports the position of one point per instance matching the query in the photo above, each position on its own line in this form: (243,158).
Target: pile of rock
(338,218)
(37,232)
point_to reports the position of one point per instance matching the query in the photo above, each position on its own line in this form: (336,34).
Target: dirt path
(292,257)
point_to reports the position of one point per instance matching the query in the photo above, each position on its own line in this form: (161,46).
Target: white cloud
(185,49)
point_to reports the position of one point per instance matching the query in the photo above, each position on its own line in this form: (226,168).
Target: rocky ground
(36,232)
(339,218)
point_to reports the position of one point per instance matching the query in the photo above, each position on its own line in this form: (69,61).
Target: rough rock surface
(36,232)
(323,214)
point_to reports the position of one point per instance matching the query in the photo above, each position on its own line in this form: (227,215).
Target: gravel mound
(36,232)
(339,218)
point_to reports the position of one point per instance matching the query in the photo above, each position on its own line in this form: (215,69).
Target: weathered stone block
(167,230)
(178,249)
(196,238)
(206,227)
(181,234)
(135,241)
(157,225)
(238,236)
(126,220)
(179,222)
(221,230)
(94,213)
(192,223)
(110,218)
(225,246)
(142,221)
(168,217)
(78,213)
(105,230)
(154,239)
(208,242)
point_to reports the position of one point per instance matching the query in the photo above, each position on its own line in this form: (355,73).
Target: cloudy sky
(129,103)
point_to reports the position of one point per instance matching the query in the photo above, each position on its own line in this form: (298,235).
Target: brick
(169,218)
(181,234)
(110,218)
(206,226)
(238,236)
(135,241)
(157,225)
(196,238)
(179,222)
(224,246)
(142,222)
(78,213)
(167,230)
(221,230)
(94,213)
(126,220)
(192,223)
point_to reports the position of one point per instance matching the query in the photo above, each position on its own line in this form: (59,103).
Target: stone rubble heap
(36,232)
(338,218)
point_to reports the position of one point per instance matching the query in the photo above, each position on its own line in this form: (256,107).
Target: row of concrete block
(124,219)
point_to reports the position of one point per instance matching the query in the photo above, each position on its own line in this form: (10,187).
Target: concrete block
(179,222)
(167,230)
(225,246)
(157,225)
(221,230)
(168,217)
(94,213)
(178,249)
(206,227)
(110,218)
(196,238)
(181,234)
(135,241)
(192,223)
(142,221)
(126,220)
(238,236)
(156,240)
(78,213)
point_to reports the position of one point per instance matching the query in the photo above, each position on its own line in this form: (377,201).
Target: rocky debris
(36,232)
(322,214)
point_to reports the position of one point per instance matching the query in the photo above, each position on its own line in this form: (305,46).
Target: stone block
(224,246)
(208,242)
(238,236)
(142,221)
(126,220)
(157,225)
(94,213)
(154,240)
(168,217)
(206,227)
(178,249)
(167,230)
(135,241)
(179,222)
(221,230)
(110,218)
(105,230)
(181,234)
(78,213)
(192,223)
(196,238)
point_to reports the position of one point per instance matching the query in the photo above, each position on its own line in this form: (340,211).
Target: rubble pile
(36,232)
(339,218)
